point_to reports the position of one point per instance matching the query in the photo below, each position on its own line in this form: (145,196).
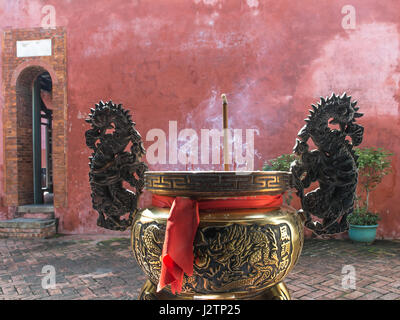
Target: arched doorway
(34,136)
(19,75)
(42,111)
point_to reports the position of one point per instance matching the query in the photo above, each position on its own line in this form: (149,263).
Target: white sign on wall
(34,48)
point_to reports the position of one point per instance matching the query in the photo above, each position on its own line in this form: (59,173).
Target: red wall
(171,60)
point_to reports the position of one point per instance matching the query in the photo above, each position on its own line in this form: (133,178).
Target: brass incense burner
(242,253)
(238,253)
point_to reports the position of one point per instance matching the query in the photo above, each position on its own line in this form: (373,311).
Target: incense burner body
(238,253)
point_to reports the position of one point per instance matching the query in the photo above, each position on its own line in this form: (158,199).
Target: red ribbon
(182,224)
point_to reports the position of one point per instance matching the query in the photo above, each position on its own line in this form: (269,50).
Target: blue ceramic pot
(362,233)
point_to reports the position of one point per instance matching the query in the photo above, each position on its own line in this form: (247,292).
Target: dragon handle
(333,164)
(116,158)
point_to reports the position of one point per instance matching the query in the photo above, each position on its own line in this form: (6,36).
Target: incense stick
(225,130)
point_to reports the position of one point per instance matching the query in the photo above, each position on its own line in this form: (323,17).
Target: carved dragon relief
(227,258)
(117,150)
(333,164)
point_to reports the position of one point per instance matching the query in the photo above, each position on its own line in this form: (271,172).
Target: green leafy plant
(373,165)
(281,163)
(362,217)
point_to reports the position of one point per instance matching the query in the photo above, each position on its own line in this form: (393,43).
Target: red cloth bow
(182,223)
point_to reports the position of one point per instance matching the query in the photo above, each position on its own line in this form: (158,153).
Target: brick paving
(323,264)
(102,267)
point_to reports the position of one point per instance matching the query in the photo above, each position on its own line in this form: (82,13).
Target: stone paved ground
(102,267)
(323,263)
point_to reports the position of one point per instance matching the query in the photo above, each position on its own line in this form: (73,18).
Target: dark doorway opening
(42,117)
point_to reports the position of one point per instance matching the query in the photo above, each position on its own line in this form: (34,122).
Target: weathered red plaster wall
(171,60)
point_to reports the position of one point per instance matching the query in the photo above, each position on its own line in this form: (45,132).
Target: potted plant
(281,163)
(373,165)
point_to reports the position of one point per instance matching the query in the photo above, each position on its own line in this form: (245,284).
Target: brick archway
(18,76)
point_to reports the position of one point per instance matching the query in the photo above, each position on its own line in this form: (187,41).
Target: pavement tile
(377,289)
(354,295)
(322,287)
(301,294)
(371,296)
(293,288)
(391,296)
(54,292)
(333,295)
(317,294)
(380,284)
